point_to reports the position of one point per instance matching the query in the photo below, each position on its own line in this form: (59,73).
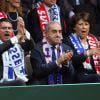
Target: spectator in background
(67,11)
(26,7)
(51,59)
(86,59)
(46,11)
(2,9)
(76,2)
(13,10)
(66,8)
(91,7)
(12,65)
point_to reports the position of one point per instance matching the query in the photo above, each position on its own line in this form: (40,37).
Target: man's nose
(84,26)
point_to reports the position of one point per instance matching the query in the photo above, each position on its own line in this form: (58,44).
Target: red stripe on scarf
(3,15)
(43,17)
(96,58)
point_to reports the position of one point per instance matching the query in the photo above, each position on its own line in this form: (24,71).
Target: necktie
(51,77)
(58,77)
(53,54)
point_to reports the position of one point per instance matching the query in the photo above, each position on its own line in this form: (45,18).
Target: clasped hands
(21,29)
(94,51)
(65,57)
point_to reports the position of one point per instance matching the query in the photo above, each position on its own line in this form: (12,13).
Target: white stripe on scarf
(48,52)
(13,59)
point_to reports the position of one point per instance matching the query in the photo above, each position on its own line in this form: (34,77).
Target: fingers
(21,28)
(98,50)
(20,21)
(65,57)
(98,44)
(94,51)
(68,55)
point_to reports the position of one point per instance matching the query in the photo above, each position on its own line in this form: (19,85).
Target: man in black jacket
(41,15)
(12,68)
(51,59)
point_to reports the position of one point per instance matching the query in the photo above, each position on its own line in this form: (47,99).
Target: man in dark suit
(12,68)
(40,16)
(51,59)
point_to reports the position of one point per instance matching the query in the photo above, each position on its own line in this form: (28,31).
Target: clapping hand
(21,29)
(65,57)
(94,51)
(98,44)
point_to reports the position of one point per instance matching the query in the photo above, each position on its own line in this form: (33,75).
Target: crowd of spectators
(39,25)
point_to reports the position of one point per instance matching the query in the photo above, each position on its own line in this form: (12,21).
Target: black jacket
(41,69)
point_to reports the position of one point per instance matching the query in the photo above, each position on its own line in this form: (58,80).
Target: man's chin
(57,42)
(6,39)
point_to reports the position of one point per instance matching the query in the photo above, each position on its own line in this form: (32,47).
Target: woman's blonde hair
(19,10)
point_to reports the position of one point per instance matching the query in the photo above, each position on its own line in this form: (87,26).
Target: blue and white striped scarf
(80,49)
(13,64)
(47,53)
(54,13)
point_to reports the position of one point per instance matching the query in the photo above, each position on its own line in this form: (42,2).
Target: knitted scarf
(43,16)
(79,48)
(47,53)
(3,15)
(96,58)
(13,64)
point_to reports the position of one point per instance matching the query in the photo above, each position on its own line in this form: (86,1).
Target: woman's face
(15,3)
(82,28)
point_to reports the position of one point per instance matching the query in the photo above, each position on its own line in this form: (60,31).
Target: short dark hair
(4,20)
(81,15)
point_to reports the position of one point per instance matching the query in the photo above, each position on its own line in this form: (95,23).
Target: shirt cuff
(27,35)
(58,64)
(14,40)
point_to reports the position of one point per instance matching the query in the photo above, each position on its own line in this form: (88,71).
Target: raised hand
(21,29)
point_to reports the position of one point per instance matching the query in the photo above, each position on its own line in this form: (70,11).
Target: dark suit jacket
(78,59)
(33,25)
(41,69)
(82,74)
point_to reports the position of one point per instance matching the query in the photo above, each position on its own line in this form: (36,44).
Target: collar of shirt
(49,46)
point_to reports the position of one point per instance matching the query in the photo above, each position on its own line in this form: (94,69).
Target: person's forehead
(4,23)
(55,25)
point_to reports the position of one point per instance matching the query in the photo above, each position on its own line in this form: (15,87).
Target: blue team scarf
(54,13)
(52,79)
(77,43)
(13,64)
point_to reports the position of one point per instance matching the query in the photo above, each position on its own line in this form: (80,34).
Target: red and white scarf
(92,41)
(43,17)
(3,15)
(96,58)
